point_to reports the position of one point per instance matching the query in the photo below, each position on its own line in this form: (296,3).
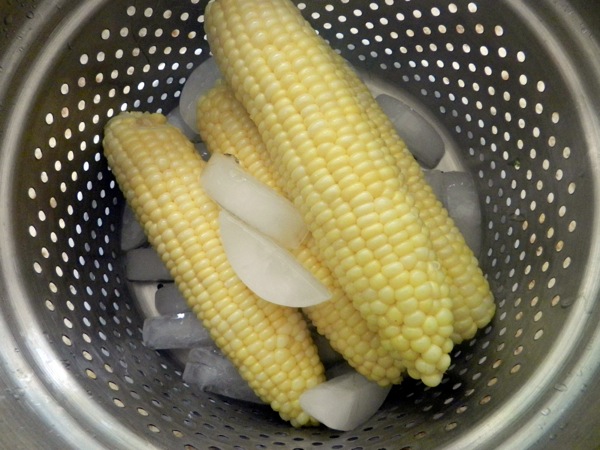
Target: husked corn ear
(158,170)
(473,302)
(225,126)
(339,174)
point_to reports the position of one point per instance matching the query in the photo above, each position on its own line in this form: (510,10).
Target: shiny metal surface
(513,85)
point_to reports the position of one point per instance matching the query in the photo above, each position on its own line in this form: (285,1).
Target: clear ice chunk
(212,372)
(168,300)
(132,233)
(198,83)
(421,138)
(345,401)
(144,264)
(458,194)
(175,119)
(177,331)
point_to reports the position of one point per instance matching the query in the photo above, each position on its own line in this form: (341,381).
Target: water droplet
(29,14)
(567,301)
(8,19)
(545,411)
(17,393)
(560,387)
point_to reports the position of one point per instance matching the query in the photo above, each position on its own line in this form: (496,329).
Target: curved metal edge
(21,391)
(569,417)
(557,409)
(559,415)
(41,404)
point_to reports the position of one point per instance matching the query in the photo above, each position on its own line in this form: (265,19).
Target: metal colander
(513,88)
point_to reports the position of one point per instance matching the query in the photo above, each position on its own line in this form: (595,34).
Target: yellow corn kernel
(473,302)
(307,115)
(225,126)
(151,161)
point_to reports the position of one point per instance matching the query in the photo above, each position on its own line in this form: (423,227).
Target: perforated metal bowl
(514,87)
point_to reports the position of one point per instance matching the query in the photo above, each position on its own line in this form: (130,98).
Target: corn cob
(225,126)
(473,302)
(339,175)
(158,170)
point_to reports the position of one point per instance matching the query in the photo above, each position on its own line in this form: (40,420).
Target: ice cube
(181,330)
(421,138)
(132,233)
(266,268)
(144,264)
(168,300)
(344,402)
(198,83)
(202,150)
(464,208)
(458,194)
(175,119)
(210,370)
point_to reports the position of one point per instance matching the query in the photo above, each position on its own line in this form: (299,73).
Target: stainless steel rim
(45,403)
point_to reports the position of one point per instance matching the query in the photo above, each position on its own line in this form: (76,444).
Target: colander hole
(485,400)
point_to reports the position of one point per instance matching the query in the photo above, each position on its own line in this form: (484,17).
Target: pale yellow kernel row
(376,225)
(152,162)
(275,97)
(474,304)
(225,126)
